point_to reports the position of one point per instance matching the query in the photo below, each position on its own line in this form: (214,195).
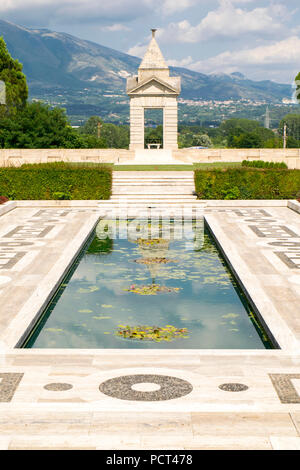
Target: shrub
(244,183)
(3,199)
(62,196)
(262,164)
(56,181)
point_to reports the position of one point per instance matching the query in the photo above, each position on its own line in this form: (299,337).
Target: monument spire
(153,58)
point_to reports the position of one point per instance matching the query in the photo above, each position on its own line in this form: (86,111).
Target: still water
(170,290)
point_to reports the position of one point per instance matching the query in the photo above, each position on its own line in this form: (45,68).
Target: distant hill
(61,64)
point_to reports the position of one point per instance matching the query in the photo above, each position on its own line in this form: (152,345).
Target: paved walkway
(208,417)
(210,399)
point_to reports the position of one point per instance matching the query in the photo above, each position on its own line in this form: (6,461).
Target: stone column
(136,126)
(171,126)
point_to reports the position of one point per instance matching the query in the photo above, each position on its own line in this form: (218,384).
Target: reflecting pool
(149,285)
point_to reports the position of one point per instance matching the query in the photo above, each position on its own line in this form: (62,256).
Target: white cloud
(227,21)
(93,10)
(280,59)
(185,62)
(45,11)
(173,6)
(138,50)
(115,28)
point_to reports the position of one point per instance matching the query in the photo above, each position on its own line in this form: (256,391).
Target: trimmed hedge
(262,164)
(243,183)
(56,181)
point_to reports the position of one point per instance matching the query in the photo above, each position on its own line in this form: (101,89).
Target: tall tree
(39,126)
(292,122)
(108,135)
(237,126)
(91,126)
(11,74)
(297,82)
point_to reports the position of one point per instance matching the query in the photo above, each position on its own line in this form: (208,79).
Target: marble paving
(158,399)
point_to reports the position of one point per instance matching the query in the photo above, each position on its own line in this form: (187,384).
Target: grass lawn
(192,167)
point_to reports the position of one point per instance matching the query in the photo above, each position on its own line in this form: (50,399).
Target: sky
(258,38)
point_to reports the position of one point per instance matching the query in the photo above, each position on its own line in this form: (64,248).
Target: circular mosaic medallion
(122,387)
(58,387)
(233,387)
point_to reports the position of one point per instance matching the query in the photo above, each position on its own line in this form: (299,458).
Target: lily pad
(230,315)
(101,318)
(152,289)
(54,330)
(151,333)
(88,290)
(150,261)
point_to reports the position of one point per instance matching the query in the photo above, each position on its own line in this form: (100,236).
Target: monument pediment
(153,86)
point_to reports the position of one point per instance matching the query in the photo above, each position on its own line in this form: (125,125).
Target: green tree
(115,136)
(245,133)
(293,125)
(292,143)
(154,135)
(15,82)
(196,136)
(247,140)
(92,142)
(91,126)
(202,141)
(274,143)
(111,135)
(185,139)
(238,126)
(265,134)
(39,126)
(297,82)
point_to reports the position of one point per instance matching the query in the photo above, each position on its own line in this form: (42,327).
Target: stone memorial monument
(153,88)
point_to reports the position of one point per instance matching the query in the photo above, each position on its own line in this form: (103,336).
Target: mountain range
(60,64)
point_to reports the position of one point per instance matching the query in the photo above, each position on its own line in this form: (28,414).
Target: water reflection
(154,279)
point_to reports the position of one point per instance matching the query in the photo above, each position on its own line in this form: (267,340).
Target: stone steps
(153,191)
(153,203)
(148,203)
(142,189)
(153,197)
(153,183)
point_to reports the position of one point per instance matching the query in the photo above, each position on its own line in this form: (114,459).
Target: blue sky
(256,37)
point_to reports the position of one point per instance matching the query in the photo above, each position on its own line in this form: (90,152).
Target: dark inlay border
(288,261)
(278,231)
(8,385)
(233,387)
(58,387)
(11,261)
(285,388)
